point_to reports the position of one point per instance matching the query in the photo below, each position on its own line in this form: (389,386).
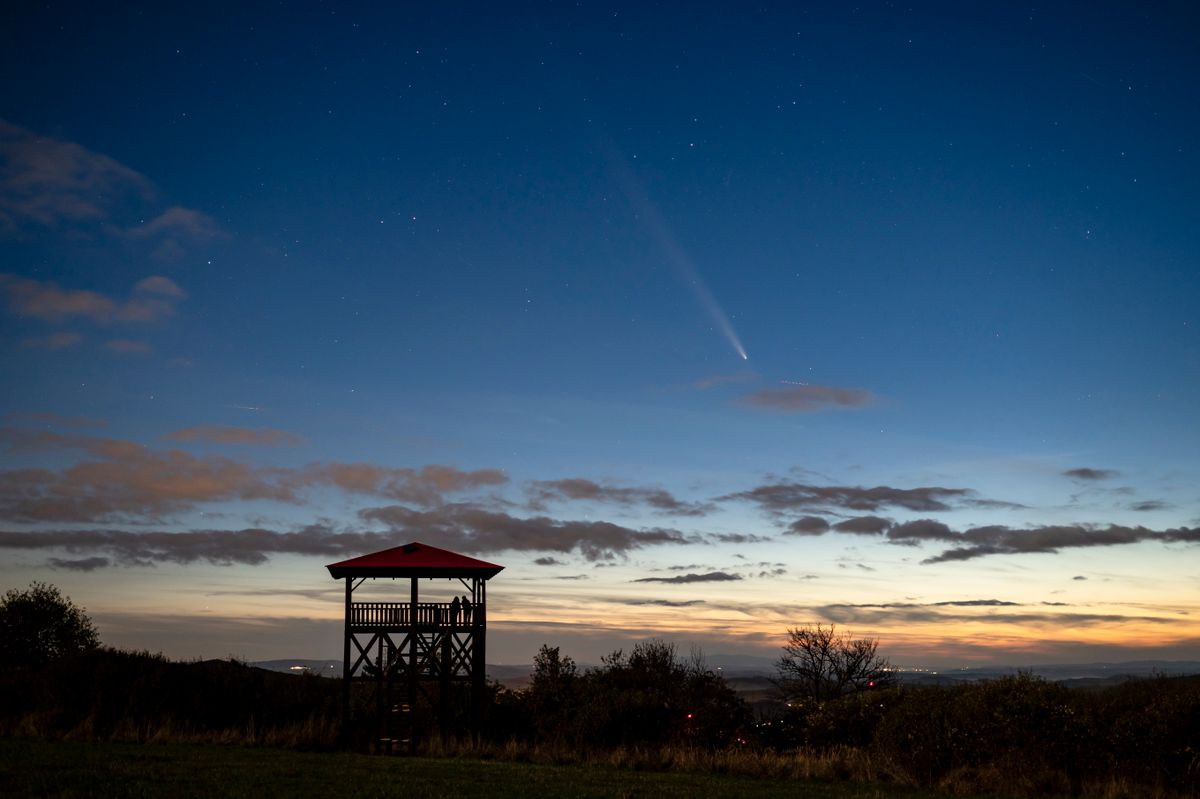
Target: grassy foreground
(30,767)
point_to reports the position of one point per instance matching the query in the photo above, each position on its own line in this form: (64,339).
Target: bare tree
(819,663)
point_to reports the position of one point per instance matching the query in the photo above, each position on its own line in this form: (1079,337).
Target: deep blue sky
(957,244)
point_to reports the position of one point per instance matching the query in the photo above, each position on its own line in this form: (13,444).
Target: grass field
(55,768)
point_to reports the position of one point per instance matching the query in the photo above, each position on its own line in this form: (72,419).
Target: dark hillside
(107,694)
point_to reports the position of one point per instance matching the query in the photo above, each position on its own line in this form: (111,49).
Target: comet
(676,256)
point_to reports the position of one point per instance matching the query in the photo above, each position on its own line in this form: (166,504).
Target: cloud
(738,538)
(975,603)
(126,480)
(151,300)
(81,565)
(178,221)
(542,492)
(994,504)
(666,603)
(1000,540)
(900,612)
(807,399)
(547,561)
(50,183)
(784,497)
(1150,505)
(807,525)
(157,284)
(921,530)
(225,434)
(961,603)
(461,526)
(1079,577)
(250,546)
(863,525)
(46,301)
(424,486)
(710,577)
(1084,473)
(47,182)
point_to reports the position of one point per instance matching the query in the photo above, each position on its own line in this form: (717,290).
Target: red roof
(413,560)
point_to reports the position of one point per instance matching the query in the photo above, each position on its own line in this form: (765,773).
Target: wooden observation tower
(410,652)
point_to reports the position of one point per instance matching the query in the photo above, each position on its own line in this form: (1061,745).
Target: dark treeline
(1017,734)
(1013,736)
(649,697)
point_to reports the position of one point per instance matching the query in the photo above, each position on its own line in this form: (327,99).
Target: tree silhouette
(41,625)
(819,664)
(553,694)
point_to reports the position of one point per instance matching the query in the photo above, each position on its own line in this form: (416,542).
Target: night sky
(704,320)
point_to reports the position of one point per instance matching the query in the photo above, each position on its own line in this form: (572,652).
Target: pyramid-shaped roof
(414,560)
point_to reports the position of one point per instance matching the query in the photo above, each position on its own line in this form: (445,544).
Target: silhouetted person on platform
(455,608)
(466,606)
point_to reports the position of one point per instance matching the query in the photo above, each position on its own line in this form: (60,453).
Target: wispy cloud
(151,300)
(665,603)
(49,183)
(709,577)
(46,181)
(738,538)
(79,565)
(177,221)
(808,399)
(221,547)
(542,492)
(252,546)
(1087,474)
(457,527)
(126,480)
(915,613)
(424,486)
(787,497)
(952,603)
(469,527)
(977,542)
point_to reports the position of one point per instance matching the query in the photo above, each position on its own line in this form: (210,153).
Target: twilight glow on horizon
(704,323)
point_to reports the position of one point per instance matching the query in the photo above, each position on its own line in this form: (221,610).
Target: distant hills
(750,673)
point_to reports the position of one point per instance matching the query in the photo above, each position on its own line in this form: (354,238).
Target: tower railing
(400,614)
